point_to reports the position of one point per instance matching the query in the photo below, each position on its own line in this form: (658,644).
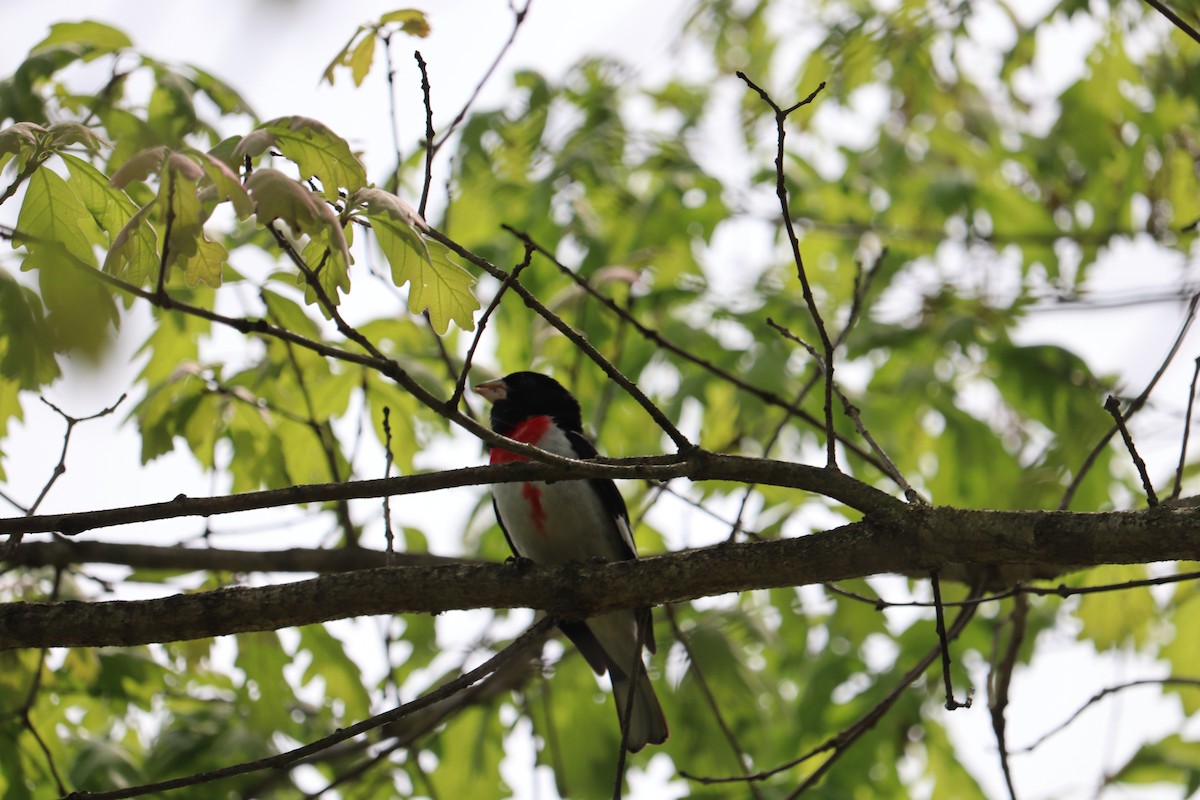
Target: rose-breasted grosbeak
(564,521)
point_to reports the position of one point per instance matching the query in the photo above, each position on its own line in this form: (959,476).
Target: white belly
(559,522)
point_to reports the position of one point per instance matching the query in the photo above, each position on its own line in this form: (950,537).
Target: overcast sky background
(274,53)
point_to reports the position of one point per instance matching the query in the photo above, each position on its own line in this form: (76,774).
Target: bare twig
(840,742)
(9,547)
(1100,695)
(1187,429)
(576,338)
(655,337)
(1113,406)
(519,15)
(388,535)
(1134,406)
(460,386)
(429,145)
(781,115)
(1062,590)
(710,700)
(1175,19)
(889,467)
(1002,674)
(939,616)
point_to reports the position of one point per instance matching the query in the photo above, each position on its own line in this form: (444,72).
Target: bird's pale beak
(492,391)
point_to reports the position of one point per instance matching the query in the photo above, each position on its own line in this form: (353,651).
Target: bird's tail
(646,725)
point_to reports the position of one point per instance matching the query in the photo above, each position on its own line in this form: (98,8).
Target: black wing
(609,494)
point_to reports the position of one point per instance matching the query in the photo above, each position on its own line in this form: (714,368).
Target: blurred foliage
(936,175)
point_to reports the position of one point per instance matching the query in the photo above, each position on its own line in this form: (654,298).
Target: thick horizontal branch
(66,552)
(919,539)
(697,466)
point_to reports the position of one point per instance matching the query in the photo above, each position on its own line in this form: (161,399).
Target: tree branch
(919,540)
(698,466)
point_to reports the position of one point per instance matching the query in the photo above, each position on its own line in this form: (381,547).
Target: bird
(574,520)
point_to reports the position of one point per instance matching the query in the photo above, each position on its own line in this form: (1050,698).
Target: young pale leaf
(110,207)
(226,184)
(64,134)
(26,357)
(133,255)
(315,149)
(19,137)
(276,196)
(436,283)
(91,39)
(139,167)
(58,232)
(330,263)
(181,209)
(412,21)
(346,56)
(377,201)
(133,249)
(360,60)
(53,215)
(204,266)
(358,53)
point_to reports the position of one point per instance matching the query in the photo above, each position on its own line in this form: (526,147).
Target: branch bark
(697,466)
(918,540)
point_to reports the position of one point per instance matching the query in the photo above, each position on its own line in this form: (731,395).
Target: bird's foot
(519,563)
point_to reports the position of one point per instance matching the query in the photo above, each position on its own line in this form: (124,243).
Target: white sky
(274,53)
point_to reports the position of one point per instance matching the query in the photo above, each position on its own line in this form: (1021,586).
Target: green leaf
(412,21)
(59,233)
(90,39)
(360,59)
(1183,652)
(436,283)
(26,357)
(342,676)
(316,150)
(1111,619)
(262,658)
(133,255)
(1171,760)
(204,266)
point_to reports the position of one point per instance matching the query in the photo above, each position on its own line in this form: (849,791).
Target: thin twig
(840,742)
(1100,695)
(656,338)
(1187,429)
(1134,407)
(14,541)
(1175,19)
(519,15)
(460,386)
(939,616)
(781,115)
(643,622)
(393,115)
(1002,674)
(426,93)
(1113,406)
(710,700)
(576,338)
(388,535)
(1061,591)
(889,467)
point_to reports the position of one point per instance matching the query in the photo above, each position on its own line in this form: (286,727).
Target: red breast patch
(529,431)
(533,496)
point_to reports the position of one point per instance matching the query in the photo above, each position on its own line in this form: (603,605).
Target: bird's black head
(522,395)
